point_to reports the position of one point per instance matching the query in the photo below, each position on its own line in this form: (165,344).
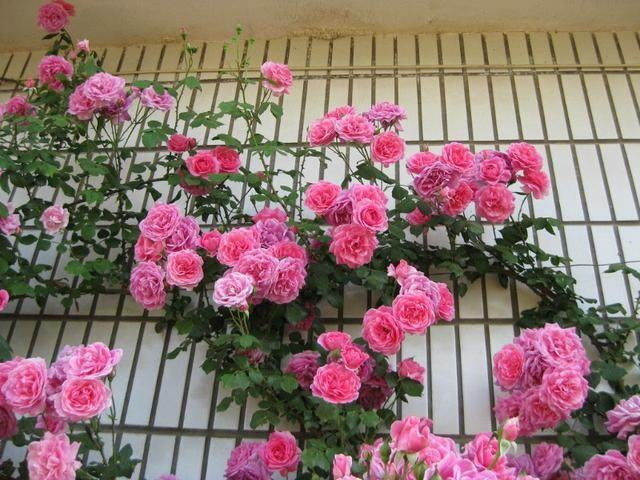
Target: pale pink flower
(234,243)
(10,225)
(161,221)
(353,356)
(535,182)
(610,466)
(371,215)
(322,132)
(388,114)
(419,160)
(359,192)
(410,435)
(458,157)
(547,459)
(233,290)
(625,417)
(277,78)
(492,167)
(508,366)
(261,266)
(289,249)
(83,45)
(495,203)
(401,271)
(54,219)
(387,148)
(432,179)
(288,279)
(341,466)
(355,128)
(51,68)
(81,399)
(146,250)
(104,89)
(267,213)
(19,106)
(186,236)
(184,269)
(445,309)
(564,389)
(633,453)
(53,458)
(24,388)
(146,285)
(511,429)
(524,156)
(409,368)
(339,112)
(52,17)
(93,361)
(159,101)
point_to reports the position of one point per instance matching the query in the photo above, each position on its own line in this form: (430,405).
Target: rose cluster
(376,128)
(613,464)
(545,462)
(166,253)
(449,182)
(261,460)
(221,159)
(355,215)
(413,452)
(265,262)
(17,106)
(10,225)
(543,370)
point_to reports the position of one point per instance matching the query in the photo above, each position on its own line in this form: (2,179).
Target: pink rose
(81,105)
(458,156)
(381,330)
(353,356)
(561,347)
(610,466)
(54,219)
(146,250)
(564,389)
(355,128)
(359,192)
(10,225)
(210,241)
(416,217)
(495,203)
(272,231)
(228,159)
(535,182)
(277,78)
(341,466)
(24,389)
(353,245)
(104,89)
(303,366)
(401,271)
(482,451)
(234,243)
(320,196)
(624,418)
(414,312)
(52,17)
(261,266)
(432,179)
(51,68)
(633,454)
(203,164)
(511,429)
(547,460)
(288,279)
(53,458)
(446,305)
(246,462)
(524,156)
(281,453)
(418,161)
(457,199)
(49,420)
(409,368)
(81,399)
(341,211)
(184,269)
(180,143)
(417,282)
(186,236)
(388,114)
(18,106)
(410,435)
(491,167)
(161,221)
(159,101)
(289,249)
(508,366)
(339,112)
(93,361)
(370,215)
(83,45)
(8,423)
(334,340)
(233,290)
(4,299)
(322,132)
(270,213)
(335,383)
(146,285)
(387,148)
(536,413)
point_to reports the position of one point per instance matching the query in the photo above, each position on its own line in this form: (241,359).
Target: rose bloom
(54,219)
(341,211)
(547,460)
(355,128)
(93,361)
(281,453)
(8,423)
(387,148)
(203,164)
(335,383)
(508,366)
(416,217)
(353,245)
(288,279)
(482,451)
(272,231)
(409,368)
(159,101)
(261,266)
(4,299)
(51,68)
(104,89)
(388,114)
(417,282)
(432,179)
(341,465)
(401,271)
(81,399)
(180,143)
(418,161)
(277,78)
(184,269)
(536,413)
(414,312)
(83,45)
(146,285)
(524,156)
(625,417)
(320,196)
(535,182)
(457,199)
(374,193)
(303,366)
(334,340)
(339,112)
(53,17)
(381,330)
(246,463)
(146,250)
(511,429)
(161,221)
(633,453)
(289,249)
(233,290)
(210,241)
(564,389)
(446,307)
(80,105)
(495,203)
(353,356)
(370,215)
(491,167)
(185,237)
(18,106)
(322,132)
(53,458)
(561,347)
(228,159)
(234,243)
(267,213)
(410,435)
(24,388)
(610,466)
(458,156)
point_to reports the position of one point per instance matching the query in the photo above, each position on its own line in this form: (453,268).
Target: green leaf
(192,82)
(289,383)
